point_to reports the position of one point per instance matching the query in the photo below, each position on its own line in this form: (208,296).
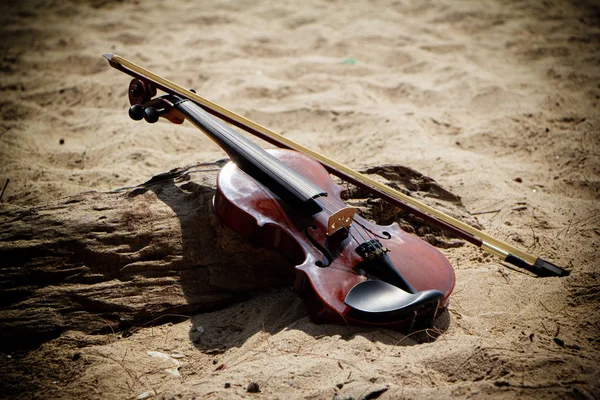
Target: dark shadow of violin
(279,310)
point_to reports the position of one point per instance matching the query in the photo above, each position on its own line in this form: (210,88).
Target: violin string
(276,166)
(361,235)
(370,235)
(351,235)
(255,152)
(371,232)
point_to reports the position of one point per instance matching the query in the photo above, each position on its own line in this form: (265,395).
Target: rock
(374,394)
(253,388)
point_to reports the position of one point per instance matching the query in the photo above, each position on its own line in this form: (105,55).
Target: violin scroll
(144,107)
(140,91)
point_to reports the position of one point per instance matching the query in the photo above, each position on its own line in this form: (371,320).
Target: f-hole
(328,258)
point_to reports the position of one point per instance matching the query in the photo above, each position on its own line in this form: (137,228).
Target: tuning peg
(136,112)
(193,90)
(151,115)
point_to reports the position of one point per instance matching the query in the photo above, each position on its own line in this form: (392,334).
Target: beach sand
(496,102)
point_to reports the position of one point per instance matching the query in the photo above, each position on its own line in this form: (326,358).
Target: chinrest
(378,301)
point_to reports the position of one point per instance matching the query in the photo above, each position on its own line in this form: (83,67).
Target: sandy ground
(497,102)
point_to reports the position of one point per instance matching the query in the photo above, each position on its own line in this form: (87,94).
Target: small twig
(544,326)
(3,189)
(466,360)
(167,315)
(569,227)
(267,338)
(535,239)
(504,275)
(486,212)
(562,310)
(545,308)
(426,331)
(134,329)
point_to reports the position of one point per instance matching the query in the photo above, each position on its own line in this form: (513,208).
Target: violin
(348,270)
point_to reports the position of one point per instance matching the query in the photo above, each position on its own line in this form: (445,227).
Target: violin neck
(286,183)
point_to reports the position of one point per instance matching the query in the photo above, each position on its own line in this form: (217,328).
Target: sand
(496,102)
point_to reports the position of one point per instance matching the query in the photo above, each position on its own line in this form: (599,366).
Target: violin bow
(503,250)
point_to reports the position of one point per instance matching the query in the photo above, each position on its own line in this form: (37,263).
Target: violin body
(329,267)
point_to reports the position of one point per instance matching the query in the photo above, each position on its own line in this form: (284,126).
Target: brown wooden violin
(349,270)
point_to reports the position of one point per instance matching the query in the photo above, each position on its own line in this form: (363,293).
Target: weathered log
(98,262)
(101,261)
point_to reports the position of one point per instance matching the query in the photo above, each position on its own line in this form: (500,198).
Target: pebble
(253,388)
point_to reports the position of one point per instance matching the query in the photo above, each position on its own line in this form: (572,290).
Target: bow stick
(505,251)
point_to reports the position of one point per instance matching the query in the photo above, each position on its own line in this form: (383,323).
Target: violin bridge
(340,219)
